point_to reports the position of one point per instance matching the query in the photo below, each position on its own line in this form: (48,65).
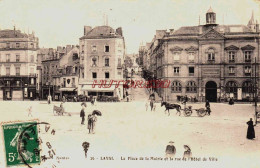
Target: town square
(129,83)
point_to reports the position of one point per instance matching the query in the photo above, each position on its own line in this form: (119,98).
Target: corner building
(210,62)
(102,52)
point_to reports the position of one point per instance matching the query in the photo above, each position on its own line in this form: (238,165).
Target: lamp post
(255,91)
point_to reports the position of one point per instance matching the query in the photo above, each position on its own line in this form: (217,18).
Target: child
(146,106)
(30,111)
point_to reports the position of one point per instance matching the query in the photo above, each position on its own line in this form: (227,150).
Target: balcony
(231,74)
(211,61)
(248,60)
(247,73)
(231,61)
(191,74)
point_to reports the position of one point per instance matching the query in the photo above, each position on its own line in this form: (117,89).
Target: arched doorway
(211,91)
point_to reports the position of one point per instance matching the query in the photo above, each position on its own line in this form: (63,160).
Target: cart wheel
(201,112)
(187,112)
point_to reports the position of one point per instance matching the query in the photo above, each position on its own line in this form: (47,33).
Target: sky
(61,22)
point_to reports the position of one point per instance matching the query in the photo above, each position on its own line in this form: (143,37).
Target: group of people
(171,151)
(92,119)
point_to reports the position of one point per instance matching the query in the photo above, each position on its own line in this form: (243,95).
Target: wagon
(59,111)
(201,112)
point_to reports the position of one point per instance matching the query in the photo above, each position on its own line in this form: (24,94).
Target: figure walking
(151,104)
(49,99)
(170,150)
(250,130)
(30,111)
(82,114)
(146,106)
(92,123)
(207,105)
(85,146)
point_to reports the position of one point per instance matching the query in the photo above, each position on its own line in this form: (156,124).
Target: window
(32,46)
(32,81)
(17,83)
(247,55)
(7,57)
(191,57)
(231,56)
(211,55)
(191,71)
(231,70)
(94,48)
(107,62)
(17,45)
(17,58)
(94,61)
(231,87)
(176,86)
(247,70)
(247,87)
(7,70)
(8,83)
(119,62)
(176,70)
(107,75)
(106,48)
(32,58)
(94,75)
(31,71)
(176,56)
(7,45)
(17,70)
(191,87)
(73,81)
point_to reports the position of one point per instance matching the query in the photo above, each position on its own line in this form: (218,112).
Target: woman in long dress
(250,130)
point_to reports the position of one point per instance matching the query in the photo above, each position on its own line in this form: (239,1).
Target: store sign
(210,72)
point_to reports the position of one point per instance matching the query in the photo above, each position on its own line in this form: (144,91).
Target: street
(126,129)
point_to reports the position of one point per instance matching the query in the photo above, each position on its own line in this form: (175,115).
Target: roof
(101,32)
(12,34)
(210,10)
(191,30)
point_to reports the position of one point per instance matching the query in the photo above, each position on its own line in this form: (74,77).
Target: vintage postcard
(129,83)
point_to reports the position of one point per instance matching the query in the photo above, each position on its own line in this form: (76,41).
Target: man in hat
(82,114)
(170,150)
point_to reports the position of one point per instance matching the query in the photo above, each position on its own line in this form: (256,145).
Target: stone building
(59,71)
(102,52)
(211,61)
(18,65)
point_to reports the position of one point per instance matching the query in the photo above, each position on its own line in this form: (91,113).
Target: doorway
(211,91)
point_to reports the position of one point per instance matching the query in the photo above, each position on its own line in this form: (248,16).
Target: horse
(169,106)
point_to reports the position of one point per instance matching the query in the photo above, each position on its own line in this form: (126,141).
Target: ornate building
(18,65)
(210,61)
(102,52)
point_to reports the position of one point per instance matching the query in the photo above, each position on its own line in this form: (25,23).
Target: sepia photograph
(129,83)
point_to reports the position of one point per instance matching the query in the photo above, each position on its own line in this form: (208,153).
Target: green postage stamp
(21,143)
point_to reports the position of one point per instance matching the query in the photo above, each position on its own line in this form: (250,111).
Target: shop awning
(97,89)
(68,89)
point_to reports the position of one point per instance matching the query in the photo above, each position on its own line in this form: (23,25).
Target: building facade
(207,62)
(18,65)
(102,52)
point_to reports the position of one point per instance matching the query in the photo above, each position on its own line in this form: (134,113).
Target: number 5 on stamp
(20,141)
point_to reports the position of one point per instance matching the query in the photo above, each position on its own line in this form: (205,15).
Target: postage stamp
(21,146)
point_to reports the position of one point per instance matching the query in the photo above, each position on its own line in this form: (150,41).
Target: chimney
(119,31)
(200,29)
(87,29)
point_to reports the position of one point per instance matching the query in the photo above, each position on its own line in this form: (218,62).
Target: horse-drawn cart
(201,112)
(59,111)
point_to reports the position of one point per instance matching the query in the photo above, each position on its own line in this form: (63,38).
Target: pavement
(126,129)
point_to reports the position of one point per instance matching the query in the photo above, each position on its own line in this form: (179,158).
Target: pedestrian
(49,99)
(92,100)
(231,101)
(62,108)
(63,99)
(185,100)
(151,104)
(154,107)
(92,119)
(30,111)
(82,114)
(187,153)
(207,105)
(250,130)
(170,150)
(146,105)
